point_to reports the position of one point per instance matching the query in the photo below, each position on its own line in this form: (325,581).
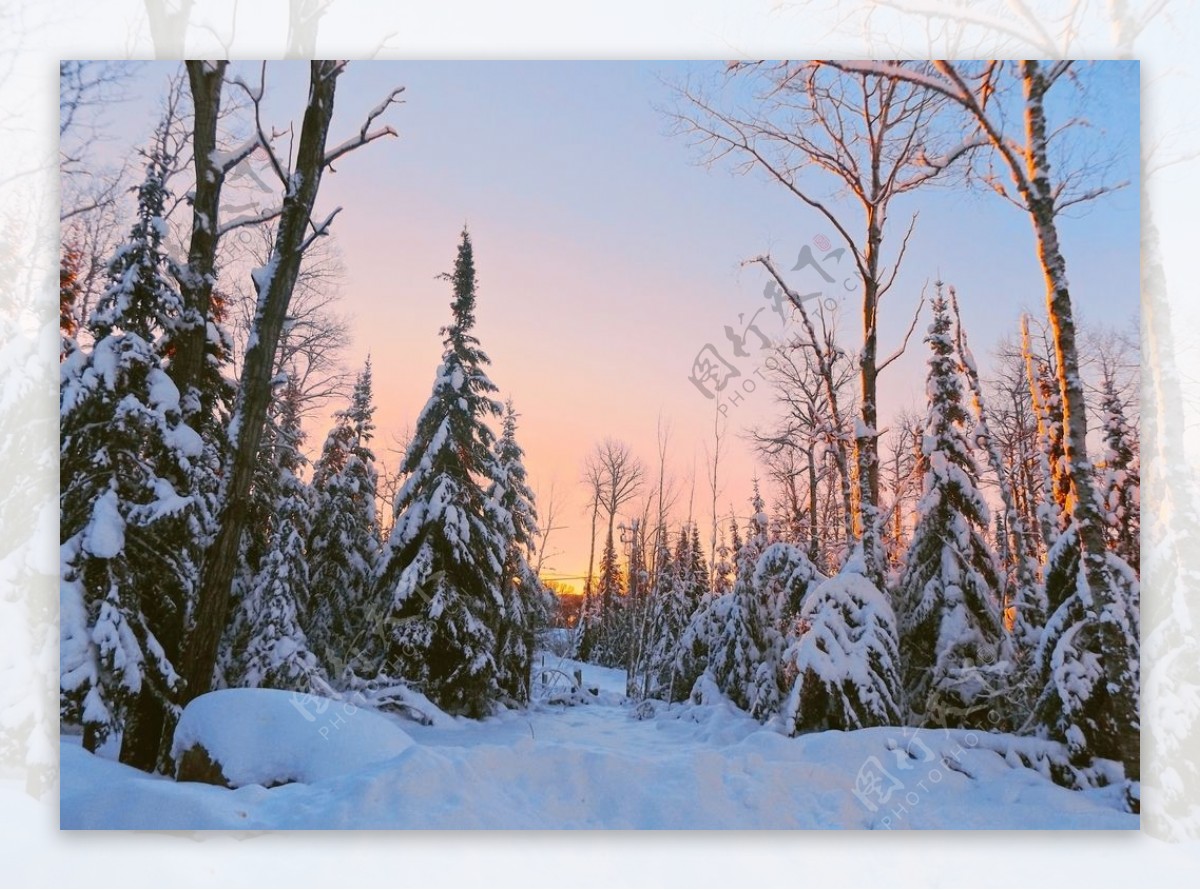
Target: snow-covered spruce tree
(949,619)
(634,612)
(526,599)
(782,579)
(344,540)
(1120,478)
(695,646)
(845,662)
(276,653)
(128,516)
(609,648)
(741,641)
(1023,592)
(442,565)
(669,609)
(697,580)
(784,576)
(1078,704)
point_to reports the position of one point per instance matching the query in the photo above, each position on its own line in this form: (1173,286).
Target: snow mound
(270,737)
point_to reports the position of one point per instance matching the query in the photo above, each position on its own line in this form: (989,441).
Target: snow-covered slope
(610,765)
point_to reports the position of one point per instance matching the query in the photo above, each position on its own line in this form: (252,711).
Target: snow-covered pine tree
(276,653)
(442,565)
(698,580)
(711,605)
(633,612)
(527,601)
(741,639)
(723,567)
(845,662)
(951,634)
(1023,595)
(609,648)
(669,609)
(782,579)
(128,514)
(344,541)
(784,576)
(1120,478)
(1079,705)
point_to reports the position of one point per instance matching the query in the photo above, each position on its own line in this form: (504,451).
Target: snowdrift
(239,737)
(602,765)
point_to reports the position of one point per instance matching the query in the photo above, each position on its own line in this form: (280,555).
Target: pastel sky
(608,257)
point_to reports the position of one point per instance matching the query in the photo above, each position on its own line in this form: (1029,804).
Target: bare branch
(904,345)
(365,135)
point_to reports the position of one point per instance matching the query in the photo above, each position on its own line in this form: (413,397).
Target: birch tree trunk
(1084,508)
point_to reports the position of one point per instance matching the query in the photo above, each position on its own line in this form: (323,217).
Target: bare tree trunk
(275,283)
(866,435)
(197,278)
(1085,510)
(814,528)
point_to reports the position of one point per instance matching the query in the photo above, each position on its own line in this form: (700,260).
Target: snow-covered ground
(604,764)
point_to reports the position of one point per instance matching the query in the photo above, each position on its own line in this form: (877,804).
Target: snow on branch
(319,231)
(254,219)
(365,134)
(897,71)
(227,160)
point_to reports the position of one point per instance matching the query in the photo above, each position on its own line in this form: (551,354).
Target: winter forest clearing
(869,561)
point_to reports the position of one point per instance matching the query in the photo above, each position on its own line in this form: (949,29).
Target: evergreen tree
(724,567)
(742,639)
(846,659)
(1120,480)
(257,541)
(442,567)
(699,636)
(343,542)
(697,580)
(950,629)
(609,647)
(527,601)
(276,653)
(669,609)
(782,578)
(1078,704)
(128,466)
